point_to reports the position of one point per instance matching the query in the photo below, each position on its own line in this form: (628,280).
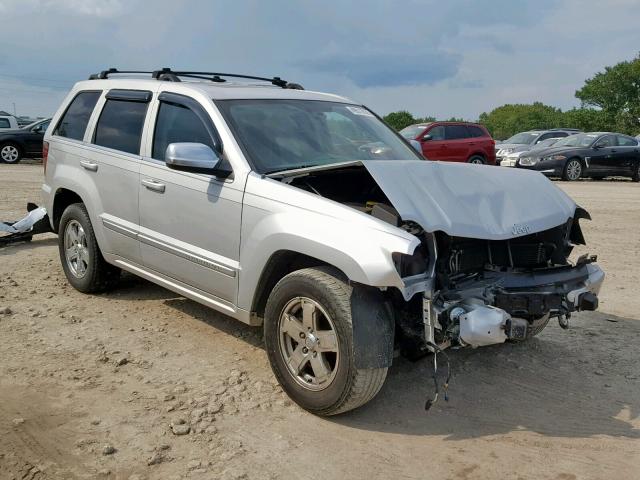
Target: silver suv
(303,212)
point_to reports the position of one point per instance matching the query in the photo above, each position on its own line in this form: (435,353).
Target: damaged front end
(485,292)
(493,260)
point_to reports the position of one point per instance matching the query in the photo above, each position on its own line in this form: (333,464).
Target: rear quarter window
(75,119)
(475,131)
(4,123)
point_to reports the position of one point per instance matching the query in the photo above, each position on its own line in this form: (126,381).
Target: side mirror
(427,137)
(416,145)
(191,157)
(598,146)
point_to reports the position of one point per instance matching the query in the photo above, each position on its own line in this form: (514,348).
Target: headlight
(506,151)
(555,157)
(528,161)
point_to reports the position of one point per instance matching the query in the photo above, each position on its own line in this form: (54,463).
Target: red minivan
(453,142)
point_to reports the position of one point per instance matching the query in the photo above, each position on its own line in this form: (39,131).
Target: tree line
(610,101)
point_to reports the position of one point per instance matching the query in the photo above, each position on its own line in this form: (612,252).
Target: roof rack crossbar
(173,75)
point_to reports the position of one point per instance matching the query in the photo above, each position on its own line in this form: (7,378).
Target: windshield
(581,140)
(524,138)
(280,134)
(412,131)
(546,143)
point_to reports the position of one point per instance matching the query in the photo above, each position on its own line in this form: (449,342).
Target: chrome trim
(187,255)
(119,229)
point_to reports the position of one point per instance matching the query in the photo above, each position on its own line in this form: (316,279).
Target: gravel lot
(143,384)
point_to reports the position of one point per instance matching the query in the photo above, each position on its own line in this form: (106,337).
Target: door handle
(153,185)
(89,165)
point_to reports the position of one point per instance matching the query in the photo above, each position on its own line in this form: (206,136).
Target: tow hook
(563,321)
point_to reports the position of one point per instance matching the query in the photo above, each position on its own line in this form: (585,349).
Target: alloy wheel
(574,170)
(76,250)
(9,153)
(308,343)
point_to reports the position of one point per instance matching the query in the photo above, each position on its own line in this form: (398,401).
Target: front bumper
(552,168)
(506,305)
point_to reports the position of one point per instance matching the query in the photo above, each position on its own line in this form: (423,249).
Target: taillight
(45,154)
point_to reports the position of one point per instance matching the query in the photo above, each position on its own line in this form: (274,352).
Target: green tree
(510,119)
(616,92)
(399,120)
(587,119)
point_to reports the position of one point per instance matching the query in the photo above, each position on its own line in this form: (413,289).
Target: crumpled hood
(473,201)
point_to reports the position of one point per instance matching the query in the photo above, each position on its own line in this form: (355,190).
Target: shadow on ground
(580,383)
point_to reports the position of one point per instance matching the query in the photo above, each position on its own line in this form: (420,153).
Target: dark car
(596,155)
(453,141)
(22,142)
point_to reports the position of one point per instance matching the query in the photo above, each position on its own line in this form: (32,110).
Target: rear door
(114,159)
(628,154)
(458,143)
(189,222)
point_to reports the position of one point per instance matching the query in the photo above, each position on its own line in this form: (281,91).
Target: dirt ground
(101,386)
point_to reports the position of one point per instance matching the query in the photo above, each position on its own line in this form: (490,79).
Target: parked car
(22,142)
(524,141)
(8,122)
(596,155)
(303,212)
(511,159)
(453,141)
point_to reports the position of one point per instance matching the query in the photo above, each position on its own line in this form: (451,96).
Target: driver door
(602,159)
(33,140)
(189,222)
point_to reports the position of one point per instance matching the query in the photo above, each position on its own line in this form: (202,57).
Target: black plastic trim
(196,108)
(143,96)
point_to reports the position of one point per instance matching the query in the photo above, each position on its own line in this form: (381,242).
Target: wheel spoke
(327,341)
(320,369)
(298,359)
(72,255)
(291,326)
(309,315)
(84,255)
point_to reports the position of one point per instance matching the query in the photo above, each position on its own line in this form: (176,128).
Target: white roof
(216,91)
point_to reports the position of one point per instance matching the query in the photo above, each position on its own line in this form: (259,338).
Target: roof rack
(167,74)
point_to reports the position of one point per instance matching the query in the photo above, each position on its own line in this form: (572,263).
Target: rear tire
(572,170)
(10,153)
(476,160)
(82,261)
(302,309)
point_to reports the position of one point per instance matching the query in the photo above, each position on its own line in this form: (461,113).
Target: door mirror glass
(426,138)
(191,157)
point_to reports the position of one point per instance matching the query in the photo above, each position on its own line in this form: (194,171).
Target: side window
(177,123)
(437,133)
(120,125)
(4,123)
(607,141)
(74,121)
(475,131)
(456,132)
(627,141)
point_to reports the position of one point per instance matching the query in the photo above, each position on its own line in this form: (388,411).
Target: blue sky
(442,58)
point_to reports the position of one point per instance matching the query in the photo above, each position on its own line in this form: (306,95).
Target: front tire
(309,340)
(10,153)
(636,173)
(82,262)
(572,170)
(476,160)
